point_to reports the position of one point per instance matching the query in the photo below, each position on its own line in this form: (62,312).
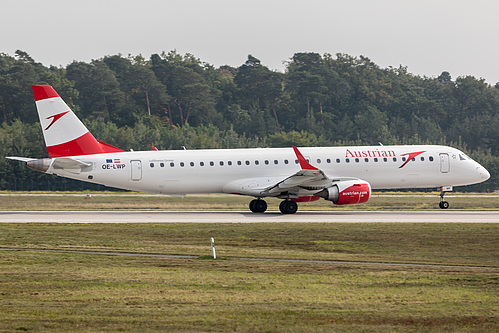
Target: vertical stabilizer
(64,133)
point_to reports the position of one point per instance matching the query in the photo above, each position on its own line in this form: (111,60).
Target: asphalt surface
(447,216)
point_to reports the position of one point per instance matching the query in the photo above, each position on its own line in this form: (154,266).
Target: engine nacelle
(347,192)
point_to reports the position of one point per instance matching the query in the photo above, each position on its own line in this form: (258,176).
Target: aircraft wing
(304,182)
(309,178)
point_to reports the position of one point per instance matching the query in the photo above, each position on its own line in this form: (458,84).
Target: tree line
(172,101)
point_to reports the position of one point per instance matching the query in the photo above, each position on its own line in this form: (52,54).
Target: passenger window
(276,162)
(182,164)
(422,158)
(296,162)
(212,163)
(338,160)
(229,163)
(431,158)
(239,162)
(172,164)
(191,163)
(394,159)
(403,159)
(151,165)
(318,161)
(286,161)
(257,162)
(247,162)
(385,159)
(221,163)
(328,160)
(162,165)
(267,162)
(356,160)
(201,163)
(366,159)
(375,159)
(347,160)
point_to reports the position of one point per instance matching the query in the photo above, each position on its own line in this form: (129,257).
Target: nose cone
(484,174)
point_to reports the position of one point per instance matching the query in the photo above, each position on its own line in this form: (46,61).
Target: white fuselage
(179,172)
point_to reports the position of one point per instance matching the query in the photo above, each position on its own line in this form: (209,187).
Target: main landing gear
(258,206)
(286,206)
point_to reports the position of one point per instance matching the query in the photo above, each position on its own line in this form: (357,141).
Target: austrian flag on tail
(64,133)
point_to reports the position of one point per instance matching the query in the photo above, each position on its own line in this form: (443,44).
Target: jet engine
(347,192)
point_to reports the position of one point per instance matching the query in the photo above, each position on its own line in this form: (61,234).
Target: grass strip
(134,201)
(84,292)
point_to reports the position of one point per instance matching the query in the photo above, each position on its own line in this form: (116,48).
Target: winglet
(303,162)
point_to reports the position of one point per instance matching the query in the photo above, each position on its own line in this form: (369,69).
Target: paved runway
(246,217)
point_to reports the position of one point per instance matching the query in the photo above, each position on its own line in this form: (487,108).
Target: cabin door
(136,170)
(444,163)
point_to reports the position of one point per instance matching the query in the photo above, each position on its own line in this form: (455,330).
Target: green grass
(67,291)
(133,201)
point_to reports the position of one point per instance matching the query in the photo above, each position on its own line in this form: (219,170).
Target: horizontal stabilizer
(22,159)
(69,163)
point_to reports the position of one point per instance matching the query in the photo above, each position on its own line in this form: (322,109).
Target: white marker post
(213,248)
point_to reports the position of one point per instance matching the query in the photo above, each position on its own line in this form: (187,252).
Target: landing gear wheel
(288,207)
(443,204)
(258,206)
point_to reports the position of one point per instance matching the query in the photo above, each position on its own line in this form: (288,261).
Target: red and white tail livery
(64,133)
(342,175)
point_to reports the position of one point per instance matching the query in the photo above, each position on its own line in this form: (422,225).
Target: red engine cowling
(347,192)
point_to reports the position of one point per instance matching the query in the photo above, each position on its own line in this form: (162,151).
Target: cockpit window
(463,157)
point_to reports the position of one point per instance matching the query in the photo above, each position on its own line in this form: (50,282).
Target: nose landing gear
(444,204)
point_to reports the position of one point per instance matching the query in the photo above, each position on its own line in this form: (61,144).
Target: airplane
(342,175)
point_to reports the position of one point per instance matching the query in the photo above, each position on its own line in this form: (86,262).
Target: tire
(288,207)
(258,206)
(252,205)
(443,205)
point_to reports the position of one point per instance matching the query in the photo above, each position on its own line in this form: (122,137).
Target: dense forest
(172,100)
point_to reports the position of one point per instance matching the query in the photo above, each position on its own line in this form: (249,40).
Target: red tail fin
(64,133)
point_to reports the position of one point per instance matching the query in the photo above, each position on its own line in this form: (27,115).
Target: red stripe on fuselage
(43,92)
(84,145)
